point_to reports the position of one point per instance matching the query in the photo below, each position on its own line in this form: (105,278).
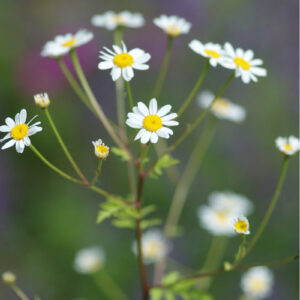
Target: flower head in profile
(151,121)
(222,108)
(213,52)
(89,260)
(243,62)
(241,225)
(257,282)
(101,150)
(18,131)
(111,20)
(223,209)
(172,25)
(42,100)
(288,145)
(63,44)
(154,246)
(122,62)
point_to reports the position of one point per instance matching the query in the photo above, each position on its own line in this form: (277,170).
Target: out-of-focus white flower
(122,62)
(19,131)
(89,260)
(111,20)
(151,121)
(63,44)
(222,108)
(257,282)
(213,52)
(172,25)
(241,225)
(42,100)
(244,63)
(223,209)
(8,277)
(101,150)
(154,246)
(288,145)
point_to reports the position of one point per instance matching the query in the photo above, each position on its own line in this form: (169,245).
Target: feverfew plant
(226,214)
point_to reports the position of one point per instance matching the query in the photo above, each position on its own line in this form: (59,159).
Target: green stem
(129,94)
(270,209)
(108,286)
(65,149)
(98,172)
(18,292)
(163,68)
(50,165)
(73,83)
(241,249)
(195,89)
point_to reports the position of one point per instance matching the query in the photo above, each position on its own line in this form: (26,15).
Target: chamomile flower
(9,277)
(257,282)
(89,260)
(241,225)
(151,121)
(18,131)
(111,20)
(172,25)
(63,44)
(42,100)
(101,150)
(122,62)
(288,145)
(243,62)
(213,52)
(222,108)
(223,209)
(154,246)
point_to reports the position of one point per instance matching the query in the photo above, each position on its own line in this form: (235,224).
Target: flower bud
(8,277)
(42,100)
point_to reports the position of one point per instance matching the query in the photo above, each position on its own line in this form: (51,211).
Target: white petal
(128,73)
(8,144)
(23,116)
(5,128)
(10,122)
(154,138)
(164,110)
(33,130)
(115,73)
(169,117)
(140,133)
(133,123)
(7,136)
(117,49)
(245,77)
(164,132)
(145,137)
(153,106)
(135,116)
(170,123)
(17,118)
(143,108)
(20,146)
(104,65)
(248,55)
(141,67)
(256,62)
(27,141)
(259,71)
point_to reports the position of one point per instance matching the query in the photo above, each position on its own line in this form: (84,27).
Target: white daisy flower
(152,121)
(244,63)
(122,62)
(63,44)
(101,150)
(222,108)
(172,25)
(89,260)
(223,209)
(257,282)
(241,225)
(111,20)
(19,131)
(154,246)
(288,145)
(213,52)
(42,100)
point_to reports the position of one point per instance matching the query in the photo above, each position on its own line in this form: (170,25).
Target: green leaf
(170,296)
(184,285)
(147,210)
(121,153)
(105,214)
(124,223)
(170,278)
(150,223)
(156,294)
(164,162)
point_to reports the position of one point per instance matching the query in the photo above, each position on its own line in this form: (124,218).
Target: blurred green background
(44,220)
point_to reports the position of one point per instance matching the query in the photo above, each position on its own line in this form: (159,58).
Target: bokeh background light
(44,220)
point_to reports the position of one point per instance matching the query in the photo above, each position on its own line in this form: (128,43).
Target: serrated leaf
(156,294)
(124,223)
(170,278)
(164,162)
(150,223)
(121,153)
(105,214)
(147,210)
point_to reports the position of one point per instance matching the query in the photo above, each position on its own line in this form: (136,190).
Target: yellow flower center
(102,149)
(220,105)
(19,132)
(258,285)
(287,147)
(240,62)
(212,53)
(222,216)
(173,30)
(118,19)
(153,249)
(241,225)
(69,43)
(152,123)
(123,60)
